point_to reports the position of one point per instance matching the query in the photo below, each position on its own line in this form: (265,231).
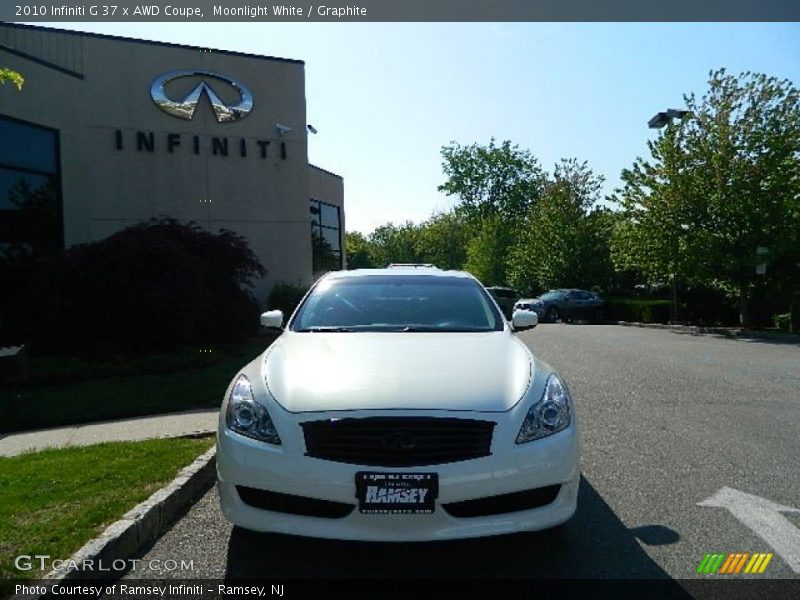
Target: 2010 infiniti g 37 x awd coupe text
(398,405)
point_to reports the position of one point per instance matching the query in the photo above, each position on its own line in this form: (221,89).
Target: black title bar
(198,11)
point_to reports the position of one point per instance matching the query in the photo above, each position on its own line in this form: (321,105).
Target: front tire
(553,315)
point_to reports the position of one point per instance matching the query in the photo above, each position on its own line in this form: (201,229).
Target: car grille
(504,503)
(398,441)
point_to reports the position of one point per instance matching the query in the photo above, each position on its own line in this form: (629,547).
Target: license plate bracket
(396,493)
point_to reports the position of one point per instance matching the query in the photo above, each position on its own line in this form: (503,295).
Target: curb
(72,434)
(141,525)
(197,433)
(732,333)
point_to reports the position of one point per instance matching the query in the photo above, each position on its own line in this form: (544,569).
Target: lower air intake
(293,505)
(504,503)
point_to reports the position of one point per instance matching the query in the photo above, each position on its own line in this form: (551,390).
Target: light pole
(658,121)
(663,118)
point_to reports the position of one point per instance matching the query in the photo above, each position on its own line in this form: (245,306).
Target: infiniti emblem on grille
(398,441)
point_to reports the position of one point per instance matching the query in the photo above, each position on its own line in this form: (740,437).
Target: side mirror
(524,319)
(272,318)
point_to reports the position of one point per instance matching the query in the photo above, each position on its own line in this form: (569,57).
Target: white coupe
(398,405)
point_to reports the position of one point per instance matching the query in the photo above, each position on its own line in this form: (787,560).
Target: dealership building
(108,132)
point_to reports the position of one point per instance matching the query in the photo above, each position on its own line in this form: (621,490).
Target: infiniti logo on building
(184,108)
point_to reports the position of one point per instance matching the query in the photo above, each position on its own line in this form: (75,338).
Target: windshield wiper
(388,329)
(432,329)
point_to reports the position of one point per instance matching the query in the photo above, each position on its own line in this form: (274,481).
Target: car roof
(400,270)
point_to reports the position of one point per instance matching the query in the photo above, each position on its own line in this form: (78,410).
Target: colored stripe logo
(733,564)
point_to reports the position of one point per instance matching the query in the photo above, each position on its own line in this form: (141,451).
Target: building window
(326,236)
(30,205)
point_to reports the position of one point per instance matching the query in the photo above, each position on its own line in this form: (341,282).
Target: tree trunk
(744,306)
(673,308)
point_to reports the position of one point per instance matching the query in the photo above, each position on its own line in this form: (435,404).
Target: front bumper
(510,468)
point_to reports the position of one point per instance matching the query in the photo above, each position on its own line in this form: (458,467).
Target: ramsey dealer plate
(396,493)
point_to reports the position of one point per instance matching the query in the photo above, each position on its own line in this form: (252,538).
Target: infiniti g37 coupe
(398,405)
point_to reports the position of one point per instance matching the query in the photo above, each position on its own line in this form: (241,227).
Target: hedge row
(639,311)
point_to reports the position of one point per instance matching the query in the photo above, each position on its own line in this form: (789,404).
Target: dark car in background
(566,305)
(505,297)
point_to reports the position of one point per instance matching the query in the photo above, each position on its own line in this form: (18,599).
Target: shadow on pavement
(767,339)
(594,544)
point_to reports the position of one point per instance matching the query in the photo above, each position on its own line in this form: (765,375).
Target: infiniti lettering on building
(185,107)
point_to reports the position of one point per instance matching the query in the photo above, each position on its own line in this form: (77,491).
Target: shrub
(285,297)
(153,286)
(638,311)
(782,321)
(707,306)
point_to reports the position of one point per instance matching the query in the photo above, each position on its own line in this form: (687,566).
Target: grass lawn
(54,501)
(144,386)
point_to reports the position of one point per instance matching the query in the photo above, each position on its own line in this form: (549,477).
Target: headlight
(248,417)
(548,416)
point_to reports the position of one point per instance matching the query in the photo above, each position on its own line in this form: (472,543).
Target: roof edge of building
(325,171)
(120,38)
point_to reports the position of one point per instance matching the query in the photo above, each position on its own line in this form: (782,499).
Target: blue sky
(386,97)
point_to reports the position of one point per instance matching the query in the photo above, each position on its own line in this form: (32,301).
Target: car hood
(307,372)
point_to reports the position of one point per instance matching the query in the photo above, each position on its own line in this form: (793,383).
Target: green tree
(564,242)
(719,184)
(602,224)
(491,180)
(487,251)
(442,240)
(392,243)
(658,213)
(495,186)
(358,250)
(12,77)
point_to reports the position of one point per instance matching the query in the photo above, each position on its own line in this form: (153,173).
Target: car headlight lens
(248,417)
(548,416)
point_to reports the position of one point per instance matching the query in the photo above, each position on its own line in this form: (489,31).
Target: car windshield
(398,303)
(552,296)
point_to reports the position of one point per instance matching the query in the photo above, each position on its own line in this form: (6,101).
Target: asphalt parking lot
(690,446)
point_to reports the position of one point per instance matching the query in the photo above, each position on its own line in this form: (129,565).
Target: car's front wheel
(553,315)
